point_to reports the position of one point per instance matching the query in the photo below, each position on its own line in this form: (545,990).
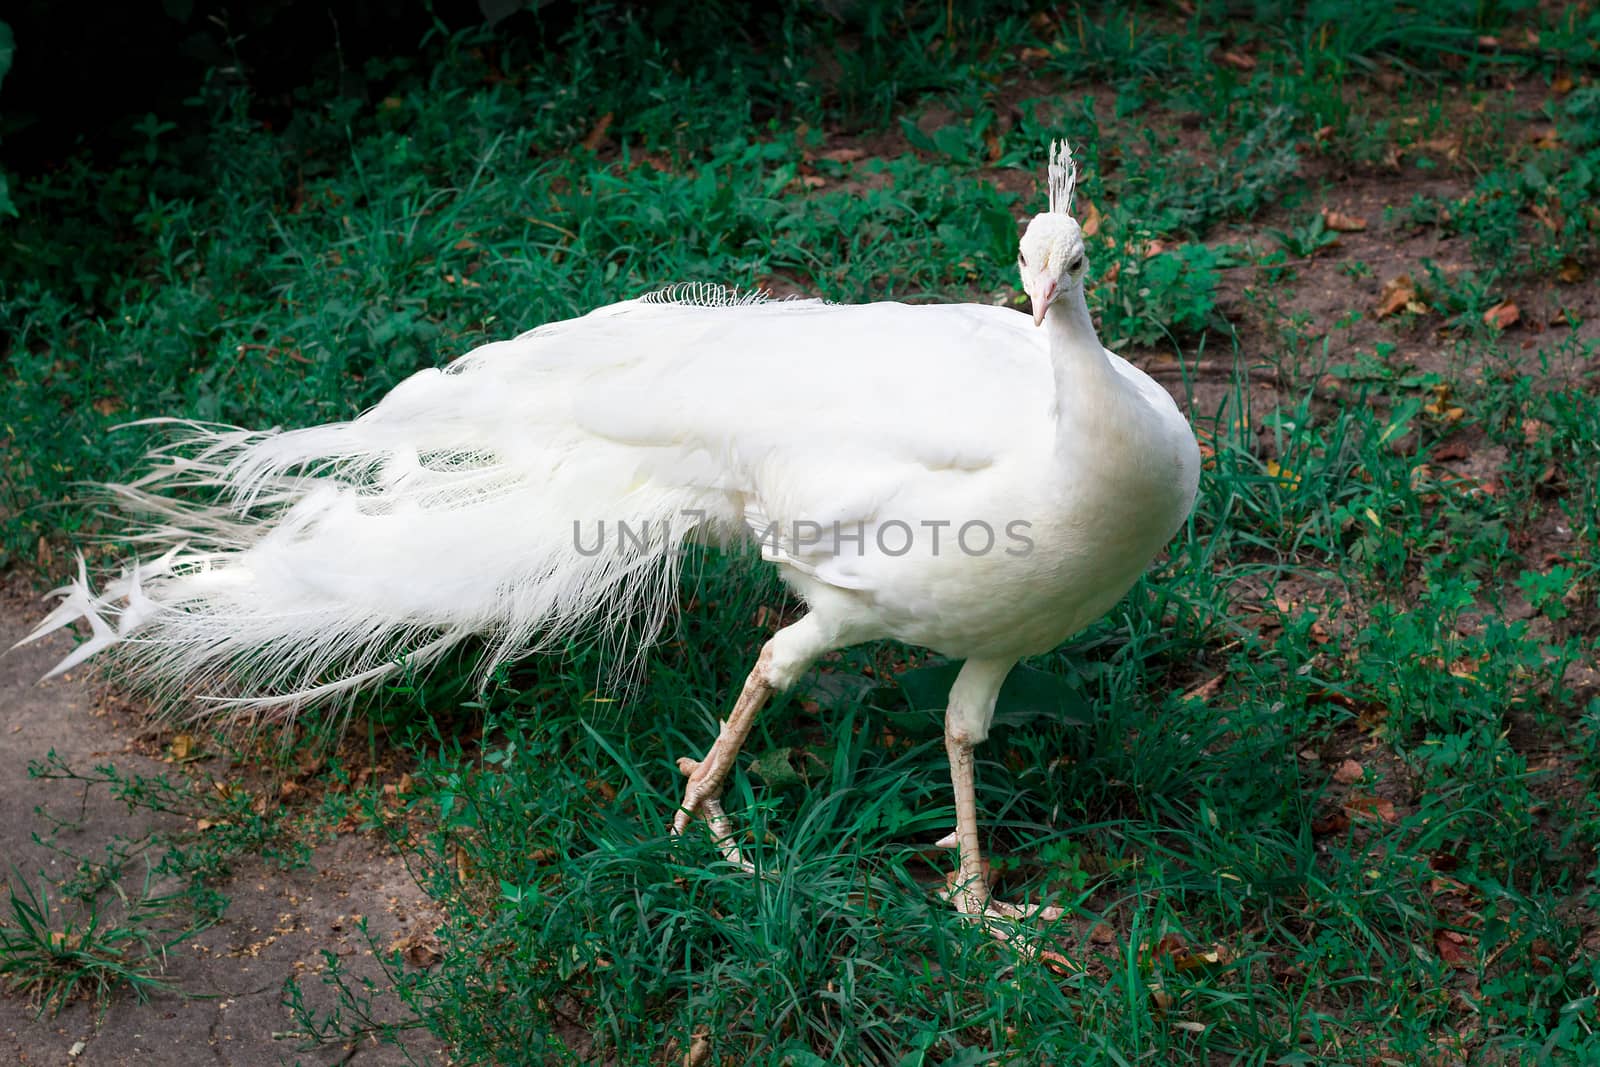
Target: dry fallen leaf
(1546,139)
(1205,690)
(1238,60)
(1288,478)
(1349,772)
(1399,294)
(598,133)
(991,142)
(420,950)
(1570,271)
(1090,219)
(1031,56)
(1441,406)
(184,749)
(1502,316)
(1102,934)
(1454,948)
(1338,220)
(1059,964)
(842,155)
(1365,807)
(1449,147)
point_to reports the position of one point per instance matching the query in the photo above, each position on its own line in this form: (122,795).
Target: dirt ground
(231,976)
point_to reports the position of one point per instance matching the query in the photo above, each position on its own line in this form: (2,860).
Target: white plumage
(947,475)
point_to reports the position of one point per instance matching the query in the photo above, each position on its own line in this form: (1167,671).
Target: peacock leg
(784,658)
(703,794)
(966,725)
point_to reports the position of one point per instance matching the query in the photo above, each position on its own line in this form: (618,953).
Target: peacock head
(1051,258)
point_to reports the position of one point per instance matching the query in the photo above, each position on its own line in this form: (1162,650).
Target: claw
(703,797)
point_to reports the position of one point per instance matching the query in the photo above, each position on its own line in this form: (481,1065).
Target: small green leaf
(775,768)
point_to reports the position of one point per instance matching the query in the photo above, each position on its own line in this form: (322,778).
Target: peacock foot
(702,797)
(975,898)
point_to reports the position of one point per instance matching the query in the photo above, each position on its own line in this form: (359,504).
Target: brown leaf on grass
(183,748)
(1238,60)
(1440,404)
(842,155)
(699,1049)
(1168,945)
(419,949)
(1338,220)
(1205,690)
(1545,217)
(1562,85)
(991,143)
(597,133)
(1449,147)
(1059,964)
(1451,450)
(1399,294)
(1102,934)
(1333,822)
(1502,316)
(1381,809)
(1546,139)
(1207,957)
(1534,431)
(1089,219)
(1031,56)
(1349,772)
(1185,958)
(1454,948)
(1543,955)
(1570,272)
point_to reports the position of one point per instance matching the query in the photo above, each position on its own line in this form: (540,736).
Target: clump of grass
(53,958)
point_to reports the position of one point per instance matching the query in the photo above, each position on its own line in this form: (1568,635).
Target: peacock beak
(1041,301)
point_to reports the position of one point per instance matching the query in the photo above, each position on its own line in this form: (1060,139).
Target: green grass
(1234,893)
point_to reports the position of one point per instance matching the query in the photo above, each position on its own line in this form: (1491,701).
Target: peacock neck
(1083,374)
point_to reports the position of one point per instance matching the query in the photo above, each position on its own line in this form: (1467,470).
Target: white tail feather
(287,568)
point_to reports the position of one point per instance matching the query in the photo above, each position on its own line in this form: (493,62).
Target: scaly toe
(1037,912)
